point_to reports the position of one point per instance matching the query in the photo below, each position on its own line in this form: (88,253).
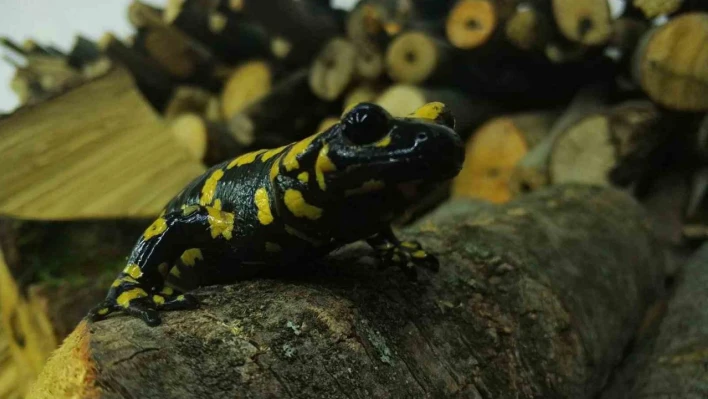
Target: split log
(245,85)
(333,69)
(531,173)
(91,148)
(605,148)
(84,53)
(267,123)
(530,310)
(495,149)
(587,22)
(676,365)
(51,273)
(670,63)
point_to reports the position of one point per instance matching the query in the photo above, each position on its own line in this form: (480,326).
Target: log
(494,150)
(605,148)
(669,64)
(206,141)
(187,99)
(531,173)
(587,22)
(675,367)
(267,123)
(307,25)
(50,275)
(654,8)
(369,63)
(469,111)
(372,23)
(360,94)
(152,79)
(91,148)
(472,23)
(529,310)
(415,57)
(333,69)
(529,28)
(245,85)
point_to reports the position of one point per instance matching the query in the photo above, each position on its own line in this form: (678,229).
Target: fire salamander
(286,204)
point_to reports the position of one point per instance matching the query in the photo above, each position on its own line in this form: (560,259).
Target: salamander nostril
(421,136)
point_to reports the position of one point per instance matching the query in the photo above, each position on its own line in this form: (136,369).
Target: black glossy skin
(361,173)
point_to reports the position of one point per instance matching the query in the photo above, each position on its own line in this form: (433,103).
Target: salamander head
(369,145)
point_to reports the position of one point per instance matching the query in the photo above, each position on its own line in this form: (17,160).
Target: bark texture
(537,298)
(677,366)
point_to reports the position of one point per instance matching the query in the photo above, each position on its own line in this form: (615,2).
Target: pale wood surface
(96,151)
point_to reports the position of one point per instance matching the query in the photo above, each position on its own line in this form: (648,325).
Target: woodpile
(545,93)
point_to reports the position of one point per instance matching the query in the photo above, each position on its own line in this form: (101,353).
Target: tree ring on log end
(470,23)
(412,58)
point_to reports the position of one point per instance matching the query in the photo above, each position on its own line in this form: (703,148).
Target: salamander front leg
(405,254)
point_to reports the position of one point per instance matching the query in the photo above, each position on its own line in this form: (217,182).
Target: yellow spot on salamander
(271,153)
(103,311)
(163,268)
(209,188)
(263,204)
(220,223)
(295,202)
(245,159)
(384,142)
(190,256)
(304,177)
(133,271)
(323,165)
(156,228)
(159,300)
(272,247)
(189,209)
(167,291)
(290,161)
(275,169)
(430,111)
(124,299)
(296,233)
(367,187)
(175,272)
(420,254)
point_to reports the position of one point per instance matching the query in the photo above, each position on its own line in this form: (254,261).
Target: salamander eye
(366,123)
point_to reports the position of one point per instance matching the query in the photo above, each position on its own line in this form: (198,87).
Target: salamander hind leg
(405,254)
(140,289)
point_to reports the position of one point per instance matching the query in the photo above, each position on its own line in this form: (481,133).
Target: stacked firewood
(544,91)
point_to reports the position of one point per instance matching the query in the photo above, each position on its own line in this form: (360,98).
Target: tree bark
(534,299)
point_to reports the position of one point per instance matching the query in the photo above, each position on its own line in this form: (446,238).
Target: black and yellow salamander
(283,205)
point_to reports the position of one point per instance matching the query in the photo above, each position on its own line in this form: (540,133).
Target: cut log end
(584,154)
(670,63)
(333,69)
(190,131)
(491,155)
(246,85)
(401,100)
(527,29)
(412,58)
(471,23)
(584,21)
